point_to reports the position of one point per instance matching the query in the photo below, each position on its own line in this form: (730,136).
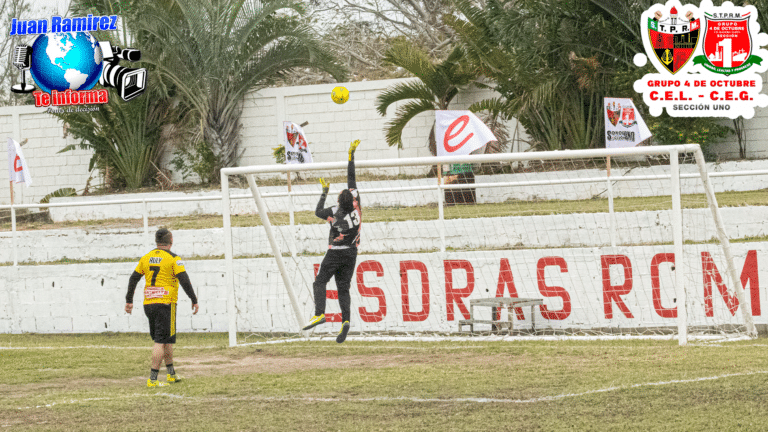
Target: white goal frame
(674,177)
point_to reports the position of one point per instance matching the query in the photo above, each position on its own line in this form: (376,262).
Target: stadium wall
(484,195)
(572,230)
(581,288)
(331,128)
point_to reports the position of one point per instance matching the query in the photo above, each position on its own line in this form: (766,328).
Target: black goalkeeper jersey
(345,226)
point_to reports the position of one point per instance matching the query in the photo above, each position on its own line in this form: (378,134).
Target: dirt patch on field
(260,363)
(228,363)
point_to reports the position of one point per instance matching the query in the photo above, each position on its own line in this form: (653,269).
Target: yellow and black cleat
(316,320)
(343,333)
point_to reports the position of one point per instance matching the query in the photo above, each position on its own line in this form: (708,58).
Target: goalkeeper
(345,218)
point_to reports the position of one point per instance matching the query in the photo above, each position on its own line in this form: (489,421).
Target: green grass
(97,383)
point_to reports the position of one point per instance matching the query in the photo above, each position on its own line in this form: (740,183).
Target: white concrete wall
(50,170)
(756,135)
(545,231)
(578,191)
(90,298)
(332,127)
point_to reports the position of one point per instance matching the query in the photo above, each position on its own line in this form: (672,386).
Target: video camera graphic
(128,82)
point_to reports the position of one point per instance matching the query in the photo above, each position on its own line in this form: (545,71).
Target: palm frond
(405,113)
(404,91)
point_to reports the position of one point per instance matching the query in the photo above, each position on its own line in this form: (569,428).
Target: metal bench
(498,303)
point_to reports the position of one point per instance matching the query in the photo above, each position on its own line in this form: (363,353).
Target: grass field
(97,382)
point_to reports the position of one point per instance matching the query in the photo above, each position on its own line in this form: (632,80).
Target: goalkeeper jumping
(345,218)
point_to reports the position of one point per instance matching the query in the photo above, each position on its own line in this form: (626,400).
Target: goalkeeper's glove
(326,185)
(353,147)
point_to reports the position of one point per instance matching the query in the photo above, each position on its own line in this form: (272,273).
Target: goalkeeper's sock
(170,369)
(153,374)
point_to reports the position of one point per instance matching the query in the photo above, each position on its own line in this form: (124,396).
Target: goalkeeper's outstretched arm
(320,211)
(351,184)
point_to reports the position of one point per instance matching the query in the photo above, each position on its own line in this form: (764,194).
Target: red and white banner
(459,133)
(296,145)
(18,170)
(582,288)
(624,127)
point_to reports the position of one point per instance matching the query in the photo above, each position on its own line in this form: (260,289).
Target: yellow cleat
(175,378)
(155,383)
(316,320)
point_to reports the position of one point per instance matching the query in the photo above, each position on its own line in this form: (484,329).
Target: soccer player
(163,271)
(345,218)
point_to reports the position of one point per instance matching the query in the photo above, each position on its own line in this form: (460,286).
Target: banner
(18,170)
(296,146)
(459,133)
(582,288)
(624,127)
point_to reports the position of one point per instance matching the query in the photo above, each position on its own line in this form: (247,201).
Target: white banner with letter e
(18,170)
(459,133)
(296,146)
(624,127)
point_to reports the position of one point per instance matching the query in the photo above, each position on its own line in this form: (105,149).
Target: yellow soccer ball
(340,94)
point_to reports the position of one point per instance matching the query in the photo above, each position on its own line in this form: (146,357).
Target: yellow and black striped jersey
(160,269)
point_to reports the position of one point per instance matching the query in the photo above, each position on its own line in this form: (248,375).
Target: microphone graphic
(22,56)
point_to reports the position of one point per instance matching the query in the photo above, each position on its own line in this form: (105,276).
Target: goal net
(569,243)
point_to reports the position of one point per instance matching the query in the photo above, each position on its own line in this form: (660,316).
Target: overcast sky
(50,5)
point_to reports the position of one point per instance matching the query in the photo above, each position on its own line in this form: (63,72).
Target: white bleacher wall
(484,195)
(573,230)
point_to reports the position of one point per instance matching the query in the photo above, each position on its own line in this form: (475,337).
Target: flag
(623,125)
(18,170)
(460,133)
(296,146)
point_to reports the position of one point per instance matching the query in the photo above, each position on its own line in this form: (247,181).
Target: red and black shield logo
(674,40)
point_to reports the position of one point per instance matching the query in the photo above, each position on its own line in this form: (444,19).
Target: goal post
(638,252)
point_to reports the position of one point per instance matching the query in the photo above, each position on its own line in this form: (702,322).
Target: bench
(497,303)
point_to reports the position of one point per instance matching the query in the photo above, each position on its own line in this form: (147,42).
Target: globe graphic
(62,61)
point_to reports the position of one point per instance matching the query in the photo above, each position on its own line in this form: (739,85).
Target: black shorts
(162,322)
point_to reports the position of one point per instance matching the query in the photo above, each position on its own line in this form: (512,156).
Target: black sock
(153,374)
(170,369)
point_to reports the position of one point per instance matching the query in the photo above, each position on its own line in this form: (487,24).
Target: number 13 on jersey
(352,219)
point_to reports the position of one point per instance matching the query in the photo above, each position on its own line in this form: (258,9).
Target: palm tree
(438,84)
(555,94)
(216,51)
(125,136)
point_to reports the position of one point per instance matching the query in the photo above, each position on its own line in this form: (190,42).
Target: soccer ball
(340,95)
